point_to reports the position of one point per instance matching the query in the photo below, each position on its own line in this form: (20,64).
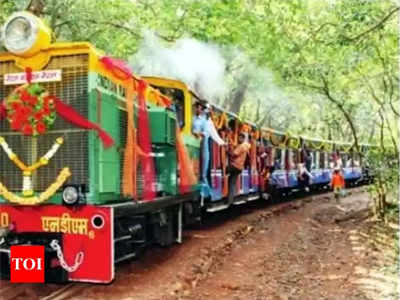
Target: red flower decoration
(33,100)
(25,97)
(27,129)
(16,124)
(40,127)
(46,110)
(38,116)
(15,105)
(30,110)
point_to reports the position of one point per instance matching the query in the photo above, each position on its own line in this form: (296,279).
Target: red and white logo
(27,264)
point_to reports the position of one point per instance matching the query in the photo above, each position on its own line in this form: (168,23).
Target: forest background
(326,69)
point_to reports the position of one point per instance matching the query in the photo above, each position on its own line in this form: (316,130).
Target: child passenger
(337,183)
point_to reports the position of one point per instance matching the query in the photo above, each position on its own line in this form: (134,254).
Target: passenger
(262,166)
(337,183)
(339,163)
(277,164)
(204,128)
(309,160)
(331,163)
(210,129)
(199,122)
(304,177)
(238,158)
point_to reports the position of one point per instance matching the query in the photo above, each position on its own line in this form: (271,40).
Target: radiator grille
(73,90)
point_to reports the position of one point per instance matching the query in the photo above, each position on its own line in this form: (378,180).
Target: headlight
(74,194)
(70,195)
(25,34)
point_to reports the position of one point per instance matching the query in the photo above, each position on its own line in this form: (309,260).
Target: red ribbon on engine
(71,115)
(3,112)
(144,141)
(28,74)
(118,67)
(186,173)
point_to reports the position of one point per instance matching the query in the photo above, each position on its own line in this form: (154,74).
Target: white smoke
(215,73)
(200,65)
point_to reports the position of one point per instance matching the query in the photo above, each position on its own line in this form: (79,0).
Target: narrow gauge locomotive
(97,163)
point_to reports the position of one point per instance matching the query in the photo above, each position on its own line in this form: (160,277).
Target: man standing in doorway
(238,158)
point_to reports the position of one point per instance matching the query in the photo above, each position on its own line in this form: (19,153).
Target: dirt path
(306,249)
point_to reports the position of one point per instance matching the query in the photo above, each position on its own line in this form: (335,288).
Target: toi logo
(27,263)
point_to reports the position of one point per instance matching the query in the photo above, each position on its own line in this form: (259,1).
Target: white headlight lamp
(25,34)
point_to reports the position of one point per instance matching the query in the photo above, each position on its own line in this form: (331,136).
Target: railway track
(64,292)
(9,291)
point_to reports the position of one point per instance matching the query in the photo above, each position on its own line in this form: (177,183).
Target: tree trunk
(238,95)
(345,113)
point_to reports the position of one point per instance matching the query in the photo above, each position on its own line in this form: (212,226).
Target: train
(97,163)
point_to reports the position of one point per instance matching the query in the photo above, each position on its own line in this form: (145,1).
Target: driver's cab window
(178,102)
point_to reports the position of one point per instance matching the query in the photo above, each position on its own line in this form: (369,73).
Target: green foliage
(335,62)
(384,166)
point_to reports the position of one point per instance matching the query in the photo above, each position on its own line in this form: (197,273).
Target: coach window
(344,158)
(178,102)
(272,152)
(293,159)
(278,159)
(322,160)
(314,160)
(357,159)
(351,161)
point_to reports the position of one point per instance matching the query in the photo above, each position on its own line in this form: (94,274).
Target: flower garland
(219,121)
(266,135)
(317,145)
(345,149)
(27,171)
(30,110)
(50,191)
(278,142)
(294,142)
(328,147)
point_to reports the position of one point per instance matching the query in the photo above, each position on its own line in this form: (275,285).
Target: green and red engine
(64,134)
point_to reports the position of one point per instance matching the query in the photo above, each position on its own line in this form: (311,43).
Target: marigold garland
(30,110)
(27,170)
(219,121)
(276,141)
(50,191)
(294,142)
